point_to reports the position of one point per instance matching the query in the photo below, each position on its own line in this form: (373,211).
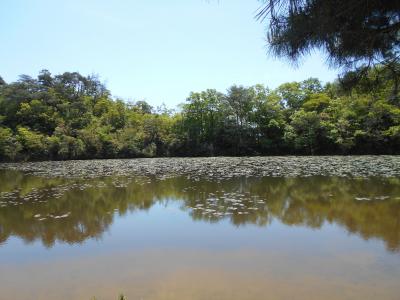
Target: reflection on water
(179,238)
(64,210)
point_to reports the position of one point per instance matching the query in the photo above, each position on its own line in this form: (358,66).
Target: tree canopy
(355,34)
(349,30)
(71,116)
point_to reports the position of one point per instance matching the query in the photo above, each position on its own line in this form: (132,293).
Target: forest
(71,116)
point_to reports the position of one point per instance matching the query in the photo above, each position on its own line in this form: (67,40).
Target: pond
(201,229)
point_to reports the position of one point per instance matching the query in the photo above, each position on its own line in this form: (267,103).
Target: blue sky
(157,50)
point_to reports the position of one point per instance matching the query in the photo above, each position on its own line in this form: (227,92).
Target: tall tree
(241,102)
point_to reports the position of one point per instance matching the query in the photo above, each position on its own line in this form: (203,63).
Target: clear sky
(156,50)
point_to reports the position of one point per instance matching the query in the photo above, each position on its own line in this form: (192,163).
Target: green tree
(9,146)
(70,116)
(143,107)
(240,103)
(306,132)
(268,121)
(349,31)
(33,143)
(353,33)
(38,116)
(202,119)
(316,102)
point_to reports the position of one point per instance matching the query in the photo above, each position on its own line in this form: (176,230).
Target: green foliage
(70,116)
(202,118)
(33,143)
(354,34)
(316,102)
(305,131)
(9,146)
(349,31)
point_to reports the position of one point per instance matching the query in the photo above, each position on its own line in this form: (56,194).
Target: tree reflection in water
(71,211)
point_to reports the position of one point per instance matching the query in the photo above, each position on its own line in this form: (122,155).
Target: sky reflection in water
(160,239)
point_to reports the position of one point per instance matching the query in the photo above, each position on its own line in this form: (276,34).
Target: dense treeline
(70,116)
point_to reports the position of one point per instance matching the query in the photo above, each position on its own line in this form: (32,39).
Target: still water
(177,238)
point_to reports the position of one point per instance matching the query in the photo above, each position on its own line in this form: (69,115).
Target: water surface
(317,237)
